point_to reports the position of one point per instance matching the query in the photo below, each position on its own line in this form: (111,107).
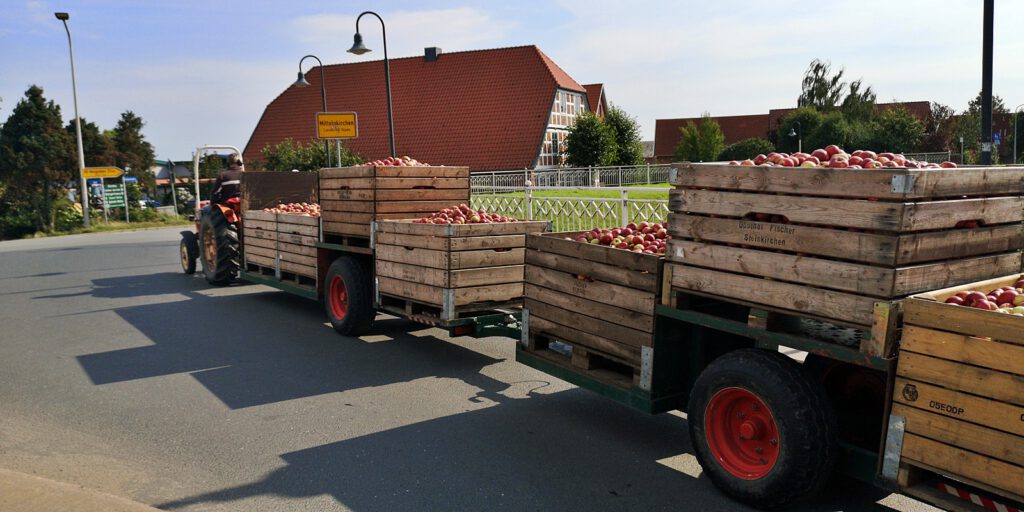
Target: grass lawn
(595,193)
(98,226)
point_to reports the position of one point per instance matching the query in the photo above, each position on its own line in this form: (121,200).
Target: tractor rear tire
(348,296)
(764,433)
(189,251)
(219,245)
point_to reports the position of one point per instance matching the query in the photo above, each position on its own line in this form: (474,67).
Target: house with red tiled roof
(596,100)
(505,108)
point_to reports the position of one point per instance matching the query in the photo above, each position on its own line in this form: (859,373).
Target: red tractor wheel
(764,433)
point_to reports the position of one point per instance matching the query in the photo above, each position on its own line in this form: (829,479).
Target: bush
(746,148)
(16,224)
(68,216)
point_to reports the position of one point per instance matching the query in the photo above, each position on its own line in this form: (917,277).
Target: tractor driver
(228,183)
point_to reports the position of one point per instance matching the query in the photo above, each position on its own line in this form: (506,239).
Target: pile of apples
(1007,299)
(395,161)
(645,237)
(302,209)
(834,157)
(463,214)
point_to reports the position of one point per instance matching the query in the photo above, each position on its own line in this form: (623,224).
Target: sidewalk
(27,493)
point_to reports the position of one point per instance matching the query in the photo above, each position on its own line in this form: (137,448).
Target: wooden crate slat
(297,229)
(422,171)
(603,272)
(985,353)
(286,266)
(295,219)
(361,171)
(490,293)
(346,206)
(540,325)
(958,243)
(959,319)
(993,443)
(291,238)
(411,206)
(415,183)
(258,215)
(798,298)
(409,290)
(345,183)
(298,259)
(943,274)
(412,273)
(347,194)
(556,243)
(960,462)
(961,377)
(980,411)
(265,225)
(345,228)
(486,258)
(970,181)
(451,279)
(349,217)
(437,243)
(607,293)
(423,194)
(623,316)
(625,335)
(469,243)
(413,256)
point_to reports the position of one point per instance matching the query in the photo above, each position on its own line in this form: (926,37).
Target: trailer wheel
(348,296)
(763,432)
(189,252)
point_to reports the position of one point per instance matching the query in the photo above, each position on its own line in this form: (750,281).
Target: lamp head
(63,16)
(301,81)
(792,132)
(358,47)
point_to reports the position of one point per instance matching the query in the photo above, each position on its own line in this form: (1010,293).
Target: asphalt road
(119,373)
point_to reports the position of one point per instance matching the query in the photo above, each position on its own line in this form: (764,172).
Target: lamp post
(84,190)
(795,132)
(301,82)
(358,48)
(1015,133)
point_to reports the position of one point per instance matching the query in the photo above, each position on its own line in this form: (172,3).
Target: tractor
(215,239)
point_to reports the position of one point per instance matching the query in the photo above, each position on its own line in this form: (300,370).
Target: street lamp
(358,48)
(1015,133)
(795,132)
(301,82)
(84,191)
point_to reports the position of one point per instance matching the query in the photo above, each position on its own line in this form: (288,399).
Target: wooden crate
(280,244)
(597,299)
(960,387)
(835,243)
(353,197)
(456,269)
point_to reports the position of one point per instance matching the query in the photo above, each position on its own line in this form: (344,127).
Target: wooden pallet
(282,241)
(960,387)
(432,314)
(838,244)
(454,267)
(583,360)
(353,197)
(596,298)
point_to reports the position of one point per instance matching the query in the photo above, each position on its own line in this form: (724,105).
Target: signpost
(337,125)
(102,173)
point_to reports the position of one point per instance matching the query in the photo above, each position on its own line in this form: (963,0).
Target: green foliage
(68,215)
(809,119)
(629,146)
(211,165)
(895,129)
(134,153)
(746,148)
(35,151)
(898,131)
(700,142)
(858,105)
(98,148)
(940,133)
(590,142)
(820,89)
(289,154)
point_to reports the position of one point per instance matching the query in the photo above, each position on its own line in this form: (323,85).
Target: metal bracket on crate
(903,183)
(373,234)
(646,367)
(376,291)
(893,447)
(524,340)
(448,307)
(277,266)
(673,173)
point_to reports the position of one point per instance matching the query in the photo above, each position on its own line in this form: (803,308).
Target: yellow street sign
(337,125)
(102,172)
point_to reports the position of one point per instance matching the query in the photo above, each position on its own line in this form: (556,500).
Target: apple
(820,154)
(959,301)
(856,160)
(948,165)
(973,297)
(760,159)
(1007,297)
(984,304)
(606,239)
(832,150)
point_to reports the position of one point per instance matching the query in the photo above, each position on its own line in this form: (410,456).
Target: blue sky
(201,72)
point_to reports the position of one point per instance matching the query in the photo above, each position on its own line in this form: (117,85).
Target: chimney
(431,54)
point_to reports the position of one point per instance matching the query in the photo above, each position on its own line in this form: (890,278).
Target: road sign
(102,172)
(93,181)
(995,138)
(114,195)
(130,179)
(337,125)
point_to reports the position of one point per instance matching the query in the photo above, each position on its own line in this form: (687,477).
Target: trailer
(797,319)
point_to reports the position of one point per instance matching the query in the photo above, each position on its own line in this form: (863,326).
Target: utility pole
(986,84)
(63,16)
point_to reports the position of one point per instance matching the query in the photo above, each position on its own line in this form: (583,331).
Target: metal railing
(933,158)
(572,213)
(574,177)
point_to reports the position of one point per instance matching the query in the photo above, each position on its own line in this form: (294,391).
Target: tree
(289,154)
(746,148)
(859,105)
(701,142)
(897,131)
(35,151)
(940,130)
(590,142)
(98,148)
(629,147)
(820,88)
(968,126)
(133,151)
(809,119)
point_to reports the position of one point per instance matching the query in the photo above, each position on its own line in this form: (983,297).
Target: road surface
(119,373)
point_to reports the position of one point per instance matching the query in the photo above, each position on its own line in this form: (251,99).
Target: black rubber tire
(357,277)
(189,252)
(224,267)
(808,445)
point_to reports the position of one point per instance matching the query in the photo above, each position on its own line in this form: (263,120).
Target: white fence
(573,177)
(572,213)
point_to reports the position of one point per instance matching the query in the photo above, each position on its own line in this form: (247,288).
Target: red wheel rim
(337,297)
(741,433)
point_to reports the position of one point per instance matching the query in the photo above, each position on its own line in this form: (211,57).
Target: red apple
(833,149)
(973,297)
(760,159)
(959,301)
(820,154)
(947,165)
